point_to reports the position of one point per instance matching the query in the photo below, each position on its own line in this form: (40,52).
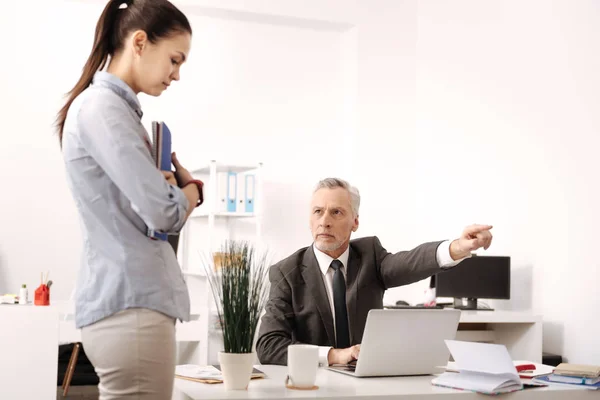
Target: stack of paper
(482,367)
(525,369)
(207,373)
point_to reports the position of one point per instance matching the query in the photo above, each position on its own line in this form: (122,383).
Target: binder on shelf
(221,192)
(249,193)
(231,191)
(241,188)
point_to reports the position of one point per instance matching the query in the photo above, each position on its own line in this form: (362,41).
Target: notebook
(208,373)
(585,371)
(161,153)
(525,369)
(576,375)
(482,367)
(581,384)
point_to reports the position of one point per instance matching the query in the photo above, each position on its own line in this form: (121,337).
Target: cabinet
(207,229)
(520,332)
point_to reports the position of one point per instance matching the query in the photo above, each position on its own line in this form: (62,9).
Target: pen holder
(42,296)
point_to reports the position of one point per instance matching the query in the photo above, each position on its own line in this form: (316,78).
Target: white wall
(41,230)
(255,89)
(446,113)
(507,134)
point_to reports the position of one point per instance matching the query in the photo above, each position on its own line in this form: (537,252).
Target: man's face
(332,220)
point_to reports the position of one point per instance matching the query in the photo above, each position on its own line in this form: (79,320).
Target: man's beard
(328,246)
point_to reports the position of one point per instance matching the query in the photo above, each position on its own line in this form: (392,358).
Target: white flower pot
(236,369)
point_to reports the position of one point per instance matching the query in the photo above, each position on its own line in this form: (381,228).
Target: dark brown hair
(158,18)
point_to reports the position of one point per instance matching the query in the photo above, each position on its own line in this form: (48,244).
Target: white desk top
(335,385)
(29,351)
(499,316)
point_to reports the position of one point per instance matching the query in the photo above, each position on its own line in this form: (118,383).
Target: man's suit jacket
(298,309)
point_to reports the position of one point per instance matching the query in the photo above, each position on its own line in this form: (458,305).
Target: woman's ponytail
(102,48)
(158,18)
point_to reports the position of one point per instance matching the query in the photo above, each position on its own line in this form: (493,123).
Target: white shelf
(206,214)
(209,215)
(221,167)
(194,273)
(498,317)
(476,336)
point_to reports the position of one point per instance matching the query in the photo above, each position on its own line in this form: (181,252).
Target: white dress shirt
(443,258)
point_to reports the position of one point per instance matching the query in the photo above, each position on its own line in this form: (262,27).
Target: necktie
(342,332)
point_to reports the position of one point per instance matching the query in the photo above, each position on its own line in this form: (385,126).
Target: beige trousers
(133,353)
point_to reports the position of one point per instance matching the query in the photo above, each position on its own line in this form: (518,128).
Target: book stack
(584,376)
(161,145)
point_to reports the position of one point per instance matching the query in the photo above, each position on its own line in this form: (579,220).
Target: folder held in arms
(161,153)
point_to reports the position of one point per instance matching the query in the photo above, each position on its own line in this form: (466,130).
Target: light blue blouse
(119,194)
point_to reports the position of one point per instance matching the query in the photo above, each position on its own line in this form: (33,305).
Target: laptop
(404,342)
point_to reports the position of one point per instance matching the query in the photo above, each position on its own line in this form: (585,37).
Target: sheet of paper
(540,369)
(482,357)
(198,372)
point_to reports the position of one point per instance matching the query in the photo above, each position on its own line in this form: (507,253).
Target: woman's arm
(111,136)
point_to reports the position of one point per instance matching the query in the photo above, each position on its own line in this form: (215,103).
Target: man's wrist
(332,356)
(324,355)
(456,252)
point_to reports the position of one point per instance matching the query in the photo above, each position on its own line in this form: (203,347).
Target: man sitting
(322,294)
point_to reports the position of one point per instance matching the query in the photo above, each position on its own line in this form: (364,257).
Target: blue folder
(545,379)
(161,152)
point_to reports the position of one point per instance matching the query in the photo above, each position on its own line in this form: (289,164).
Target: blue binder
(249,195)
(231,191)
(161,152)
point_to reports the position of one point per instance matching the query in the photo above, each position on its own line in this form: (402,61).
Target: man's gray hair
(332,183)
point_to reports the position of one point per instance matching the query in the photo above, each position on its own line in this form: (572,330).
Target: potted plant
(240,289)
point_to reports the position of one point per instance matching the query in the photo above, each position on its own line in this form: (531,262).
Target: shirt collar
(117,85)
(325,261)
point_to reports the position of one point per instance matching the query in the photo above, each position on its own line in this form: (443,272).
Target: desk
(28,352)
(335,385)
(520,332)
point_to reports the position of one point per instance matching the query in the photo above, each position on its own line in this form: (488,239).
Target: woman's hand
(192,192)
(170,177)
(182,174)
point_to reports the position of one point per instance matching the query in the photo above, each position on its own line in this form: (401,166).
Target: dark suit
(298,310)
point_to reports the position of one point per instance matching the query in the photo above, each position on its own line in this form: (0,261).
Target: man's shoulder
(364,244)
(292,261)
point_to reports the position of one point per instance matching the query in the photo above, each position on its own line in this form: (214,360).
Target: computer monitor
(478,277)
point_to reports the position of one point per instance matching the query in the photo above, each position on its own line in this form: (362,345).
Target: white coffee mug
(303,362)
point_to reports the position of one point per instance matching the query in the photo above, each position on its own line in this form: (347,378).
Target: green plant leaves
(240,290)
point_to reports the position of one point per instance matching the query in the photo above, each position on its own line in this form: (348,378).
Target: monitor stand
(471,305)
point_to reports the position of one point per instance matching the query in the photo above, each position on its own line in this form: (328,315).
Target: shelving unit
(223,214)
(201,297)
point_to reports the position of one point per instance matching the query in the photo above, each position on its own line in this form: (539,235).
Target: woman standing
(130,290)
